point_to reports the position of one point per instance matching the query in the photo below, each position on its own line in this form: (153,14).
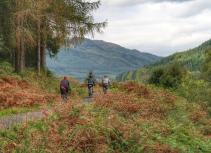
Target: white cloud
(157,27)
(135,2)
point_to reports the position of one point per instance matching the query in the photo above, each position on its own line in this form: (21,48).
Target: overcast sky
(160,27)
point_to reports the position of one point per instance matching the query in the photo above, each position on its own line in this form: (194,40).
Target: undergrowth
(133,118)
(45,81)
(17,110)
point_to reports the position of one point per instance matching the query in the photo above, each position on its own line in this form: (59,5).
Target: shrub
(156,76)
(168,76)
(5,68)
(195,90)
(206,69)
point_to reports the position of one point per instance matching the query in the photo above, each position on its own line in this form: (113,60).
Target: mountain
(102,57)
(192,59)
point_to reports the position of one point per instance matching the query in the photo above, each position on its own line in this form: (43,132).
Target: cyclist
(90,84)
(64,88)
(105,84)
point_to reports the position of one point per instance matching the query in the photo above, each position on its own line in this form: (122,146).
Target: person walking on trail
(105,84)
(91,83)
(64,88)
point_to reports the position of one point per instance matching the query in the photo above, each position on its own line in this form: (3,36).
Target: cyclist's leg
(89,91)
(65,97)
(105,88)
(66,94)
(62,93)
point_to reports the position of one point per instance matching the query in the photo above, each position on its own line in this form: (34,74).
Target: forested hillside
(102,57)
(191,59)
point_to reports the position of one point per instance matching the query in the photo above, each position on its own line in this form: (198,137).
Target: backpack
(106,81)
(90,81)
(64,84)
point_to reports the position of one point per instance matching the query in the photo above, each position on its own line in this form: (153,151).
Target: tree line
(30,28)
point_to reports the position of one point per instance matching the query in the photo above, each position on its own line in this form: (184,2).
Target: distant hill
(101,57)
(192,59)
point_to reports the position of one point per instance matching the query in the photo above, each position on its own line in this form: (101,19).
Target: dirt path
(87,99)
(9,121)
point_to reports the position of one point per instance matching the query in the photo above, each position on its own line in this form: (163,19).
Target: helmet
(90,74)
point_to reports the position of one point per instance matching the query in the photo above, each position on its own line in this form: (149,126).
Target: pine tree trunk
(17,60)
(13,58)
(20,49)
(22,56)
(22,52)
(38,49)
(43,56)
(17,51)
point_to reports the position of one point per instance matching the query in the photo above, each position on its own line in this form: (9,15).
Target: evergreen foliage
(206,70)
(168,76)
(29,28)
(192,60)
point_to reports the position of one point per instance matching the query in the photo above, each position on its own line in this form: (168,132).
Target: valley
(103,58)
(133,102)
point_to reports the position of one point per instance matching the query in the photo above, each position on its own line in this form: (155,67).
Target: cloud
(135,2)
(159,27)
(196,7)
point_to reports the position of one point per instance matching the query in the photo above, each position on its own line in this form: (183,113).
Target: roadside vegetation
(194,86)
(182,73)
(165,116)
(131,118)
(26,92)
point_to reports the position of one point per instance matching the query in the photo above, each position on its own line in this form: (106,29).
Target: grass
(132,118)
(46,81)
(195,90)
(17,110)
(169,124)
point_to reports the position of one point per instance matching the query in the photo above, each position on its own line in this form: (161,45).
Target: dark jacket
(64,86)
(90,81)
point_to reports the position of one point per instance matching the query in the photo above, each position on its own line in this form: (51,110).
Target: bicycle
(90,90)
(64,94)
(105,88)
